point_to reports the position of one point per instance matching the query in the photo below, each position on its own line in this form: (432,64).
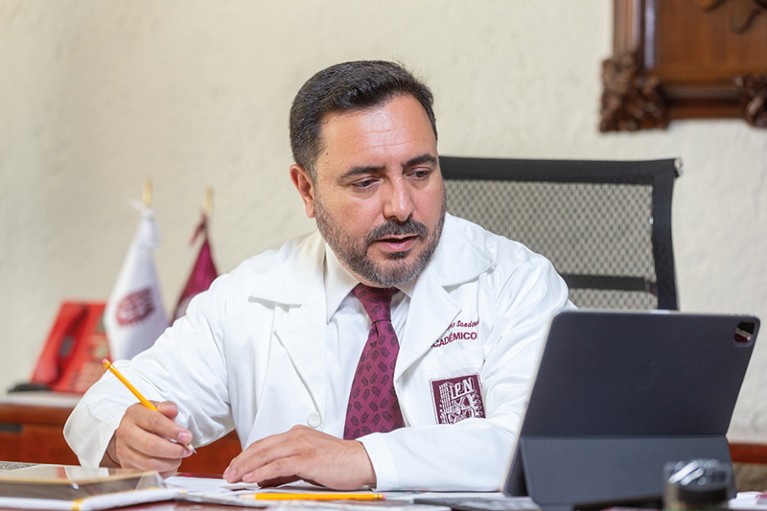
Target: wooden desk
(34,433)
(749,453)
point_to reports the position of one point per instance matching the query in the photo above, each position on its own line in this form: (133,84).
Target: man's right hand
(148,440)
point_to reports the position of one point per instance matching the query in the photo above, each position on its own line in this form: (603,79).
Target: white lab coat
(248,356)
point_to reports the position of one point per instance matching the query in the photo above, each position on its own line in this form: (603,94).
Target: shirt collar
(339,283)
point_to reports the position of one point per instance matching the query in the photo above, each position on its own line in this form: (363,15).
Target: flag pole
(207,205)
(147,195)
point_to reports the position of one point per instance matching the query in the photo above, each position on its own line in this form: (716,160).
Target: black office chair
(605,225)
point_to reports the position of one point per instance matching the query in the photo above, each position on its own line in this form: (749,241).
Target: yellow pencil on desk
(319,496)
(144,401)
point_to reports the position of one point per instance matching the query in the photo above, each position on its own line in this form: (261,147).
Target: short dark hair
(346,87)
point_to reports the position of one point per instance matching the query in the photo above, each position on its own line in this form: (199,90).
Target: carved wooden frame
(635,98)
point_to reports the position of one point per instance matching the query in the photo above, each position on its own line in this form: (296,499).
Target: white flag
(134,316)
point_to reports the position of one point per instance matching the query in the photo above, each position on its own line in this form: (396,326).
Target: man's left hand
(303,453)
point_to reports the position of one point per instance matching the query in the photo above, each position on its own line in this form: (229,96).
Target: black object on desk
(619,394)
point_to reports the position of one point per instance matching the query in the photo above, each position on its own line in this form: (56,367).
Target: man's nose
(398,203)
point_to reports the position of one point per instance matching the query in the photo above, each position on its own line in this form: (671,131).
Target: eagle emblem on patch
(456,399)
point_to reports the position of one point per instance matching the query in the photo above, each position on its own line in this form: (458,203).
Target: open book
(41,486)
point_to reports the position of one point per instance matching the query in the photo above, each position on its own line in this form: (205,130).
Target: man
(278,348)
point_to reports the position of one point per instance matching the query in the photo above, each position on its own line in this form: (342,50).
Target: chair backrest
(605,225)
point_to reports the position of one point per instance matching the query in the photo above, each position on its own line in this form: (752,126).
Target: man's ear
(303,183)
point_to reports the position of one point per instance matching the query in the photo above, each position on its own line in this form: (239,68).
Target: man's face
(378,196)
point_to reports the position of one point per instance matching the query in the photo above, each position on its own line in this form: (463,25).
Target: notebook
(44,486)
(616,396)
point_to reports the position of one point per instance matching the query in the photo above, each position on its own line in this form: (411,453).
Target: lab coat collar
(298,278)
(459,258)
(298,284)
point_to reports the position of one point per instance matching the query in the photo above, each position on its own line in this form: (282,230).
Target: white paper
(95,503)
(752,500)
(206,484)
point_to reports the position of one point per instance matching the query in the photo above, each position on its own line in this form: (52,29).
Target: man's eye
(365,183)
(420,173)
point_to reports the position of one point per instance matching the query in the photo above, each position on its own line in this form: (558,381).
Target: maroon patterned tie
(373,405)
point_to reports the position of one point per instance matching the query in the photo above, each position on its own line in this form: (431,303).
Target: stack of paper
(73,487)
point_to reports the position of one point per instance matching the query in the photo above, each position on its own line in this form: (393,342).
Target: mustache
(409,227)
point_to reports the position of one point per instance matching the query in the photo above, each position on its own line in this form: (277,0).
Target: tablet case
(619,394)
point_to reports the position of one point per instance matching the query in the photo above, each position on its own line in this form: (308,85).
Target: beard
(353,253)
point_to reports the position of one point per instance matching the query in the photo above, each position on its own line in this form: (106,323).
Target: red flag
(203,272)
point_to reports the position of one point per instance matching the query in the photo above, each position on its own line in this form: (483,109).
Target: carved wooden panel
(685,59)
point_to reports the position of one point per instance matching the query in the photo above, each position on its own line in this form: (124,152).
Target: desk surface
(31,431)
(170,506)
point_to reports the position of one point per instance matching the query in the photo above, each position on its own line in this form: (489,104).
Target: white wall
(95,96)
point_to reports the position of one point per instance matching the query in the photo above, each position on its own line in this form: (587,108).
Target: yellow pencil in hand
(144,401)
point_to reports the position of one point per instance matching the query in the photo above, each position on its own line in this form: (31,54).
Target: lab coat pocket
(445,387)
